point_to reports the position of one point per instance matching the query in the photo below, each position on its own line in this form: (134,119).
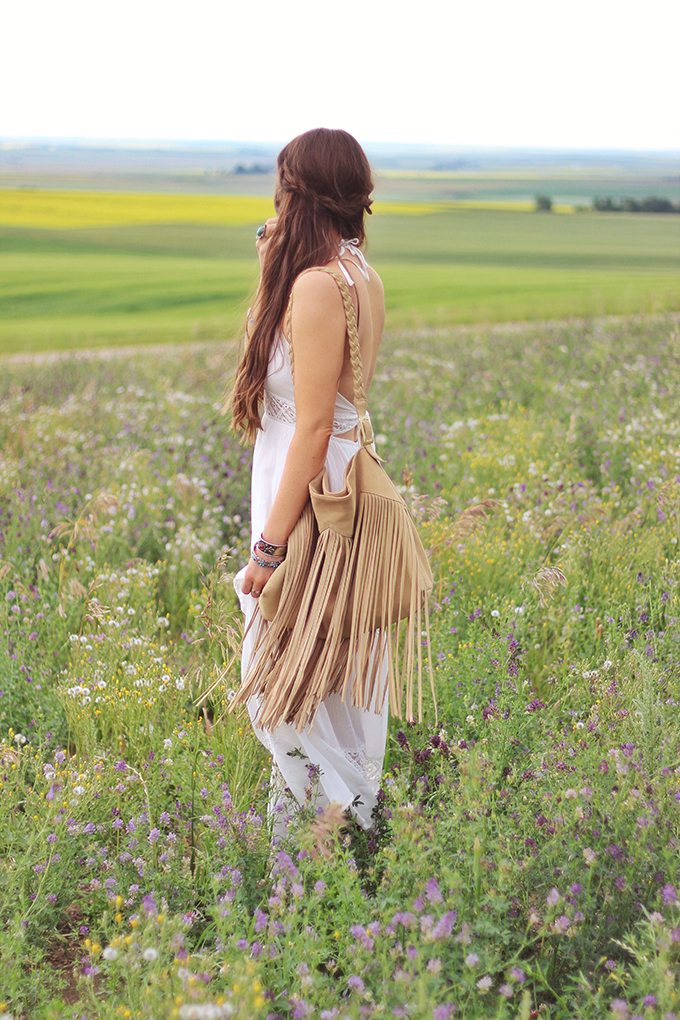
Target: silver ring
(256,593)
(261,232)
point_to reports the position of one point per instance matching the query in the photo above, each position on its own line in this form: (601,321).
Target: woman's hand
(262,243)
(255,579)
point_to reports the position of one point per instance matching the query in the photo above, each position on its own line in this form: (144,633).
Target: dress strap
(358,259)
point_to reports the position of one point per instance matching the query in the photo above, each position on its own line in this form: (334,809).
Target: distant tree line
(653,205)
(253,168)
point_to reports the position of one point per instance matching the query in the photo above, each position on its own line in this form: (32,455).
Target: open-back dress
(345,747)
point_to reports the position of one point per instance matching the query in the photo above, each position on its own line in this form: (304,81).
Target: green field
(147,282)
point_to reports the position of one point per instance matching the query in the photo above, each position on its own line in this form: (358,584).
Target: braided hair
(323,188)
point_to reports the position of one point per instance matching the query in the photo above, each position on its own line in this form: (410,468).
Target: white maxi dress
(346,745)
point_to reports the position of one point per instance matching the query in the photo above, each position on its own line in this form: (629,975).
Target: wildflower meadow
(523,861)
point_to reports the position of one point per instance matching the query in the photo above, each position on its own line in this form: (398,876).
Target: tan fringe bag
(355,568)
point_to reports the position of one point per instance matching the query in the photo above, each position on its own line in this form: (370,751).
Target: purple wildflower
(149,906)
(361,935)
(669,897)
(406,919)
(433,892)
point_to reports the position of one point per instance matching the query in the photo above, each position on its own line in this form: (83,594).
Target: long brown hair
(324,183)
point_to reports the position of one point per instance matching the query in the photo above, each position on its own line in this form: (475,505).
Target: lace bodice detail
(279,395)
(284,410)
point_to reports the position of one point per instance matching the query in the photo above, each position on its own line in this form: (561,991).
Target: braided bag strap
(360,401)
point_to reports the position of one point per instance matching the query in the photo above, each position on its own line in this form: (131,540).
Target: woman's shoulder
(316,282)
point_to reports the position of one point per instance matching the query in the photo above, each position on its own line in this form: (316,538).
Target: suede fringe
(304,656)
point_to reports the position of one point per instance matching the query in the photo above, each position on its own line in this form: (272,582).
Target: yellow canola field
(59,210)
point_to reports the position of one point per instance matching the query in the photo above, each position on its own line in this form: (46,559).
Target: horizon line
(9,141)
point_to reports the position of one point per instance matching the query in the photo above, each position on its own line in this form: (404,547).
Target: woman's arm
(318,341)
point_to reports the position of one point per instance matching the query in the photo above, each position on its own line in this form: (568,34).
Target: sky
(588,74)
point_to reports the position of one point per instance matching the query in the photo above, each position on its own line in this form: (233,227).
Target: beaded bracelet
(262,545)
(264,563)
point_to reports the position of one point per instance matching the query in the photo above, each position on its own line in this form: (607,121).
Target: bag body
(333,610)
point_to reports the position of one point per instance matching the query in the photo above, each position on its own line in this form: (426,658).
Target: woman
(322,195)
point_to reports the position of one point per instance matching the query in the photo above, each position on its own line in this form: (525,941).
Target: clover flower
(433,892)
(669,896)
